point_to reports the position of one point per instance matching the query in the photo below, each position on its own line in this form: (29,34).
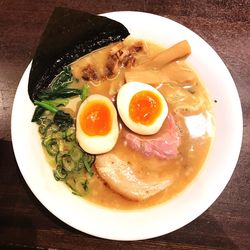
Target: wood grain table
(25,223)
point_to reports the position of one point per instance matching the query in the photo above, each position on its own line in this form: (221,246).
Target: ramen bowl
(181,209)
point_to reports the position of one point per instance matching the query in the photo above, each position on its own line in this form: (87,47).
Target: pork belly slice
(120,177)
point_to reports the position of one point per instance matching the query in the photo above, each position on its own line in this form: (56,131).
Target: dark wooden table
(25,223)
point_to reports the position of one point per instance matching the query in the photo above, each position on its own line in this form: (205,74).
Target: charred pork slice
(120,177)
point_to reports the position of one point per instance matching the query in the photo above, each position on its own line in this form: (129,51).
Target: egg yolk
(95,119)
(145,107)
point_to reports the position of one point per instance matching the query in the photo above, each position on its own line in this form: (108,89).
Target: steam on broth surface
(189,108)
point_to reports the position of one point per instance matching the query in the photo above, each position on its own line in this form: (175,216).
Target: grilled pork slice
(120,177)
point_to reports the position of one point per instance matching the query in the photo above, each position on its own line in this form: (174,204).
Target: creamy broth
(188,102)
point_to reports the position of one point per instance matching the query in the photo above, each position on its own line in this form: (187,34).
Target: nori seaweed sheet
(69,35)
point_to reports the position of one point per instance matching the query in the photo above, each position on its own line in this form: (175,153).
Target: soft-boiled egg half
(96,125)
(141,107)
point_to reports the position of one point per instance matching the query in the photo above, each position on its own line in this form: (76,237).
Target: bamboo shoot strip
(145,75)
(175,52)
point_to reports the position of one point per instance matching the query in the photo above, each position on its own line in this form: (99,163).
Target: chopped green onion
(85,185)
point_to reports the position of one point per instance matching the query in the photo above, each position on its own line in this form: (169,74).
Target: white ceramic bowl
(164,218)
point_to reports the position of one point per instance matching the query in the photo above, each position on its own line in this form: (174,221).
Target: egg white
(102,143)
(125,94)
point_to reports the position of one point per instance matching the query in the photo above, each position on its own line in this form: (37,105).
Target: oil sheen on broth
(187,101)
